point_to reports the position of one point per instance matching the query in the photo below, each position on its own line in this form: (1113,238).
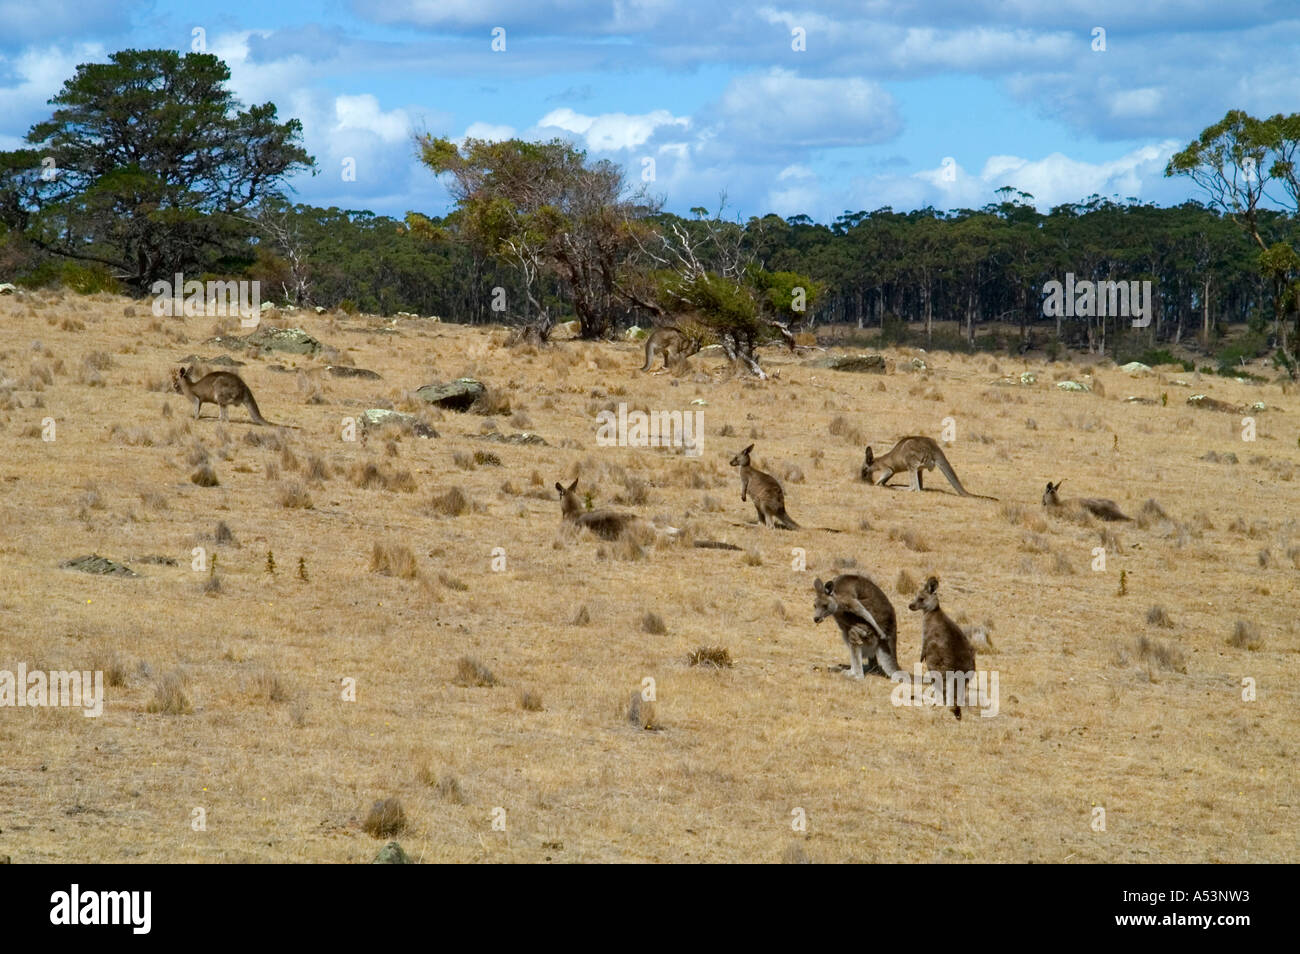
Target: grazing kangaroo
(607,524)
(912,454)
(221,388)
(854,601)
(675,346)
(1097,506)
(944,646)
(769,498)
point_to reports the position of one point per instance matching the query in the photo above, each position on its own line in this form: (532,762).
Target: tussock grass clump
(653,624)
(909,538)
(385,819)
(471,673)
(530,701)
(1061,565)
(451,583)
(154,500)
(265,684)
(1245,636)
(454,503)
(1151,652)
(1157,616)
(393,559)
(205,476)
(462,460)
(449,790)
(169,695)
(582,617)
(293,496)
(716,657)
(753,557)
(486,459)
(371,476)
(317,469)
(1151,513)
(904,585)
(643,713)
(111,665)
(635,492)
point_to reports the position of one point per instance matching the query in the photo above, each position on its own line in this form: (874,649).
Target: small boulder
(1136,368)
(341,372)
(1072,386)
(378,417)
(98,565)
(391,854)
(459,395)
(856,363)
(7,289)
(290,340)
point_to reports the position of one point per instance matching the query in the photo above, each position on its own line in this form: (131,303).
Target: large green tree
(148,166)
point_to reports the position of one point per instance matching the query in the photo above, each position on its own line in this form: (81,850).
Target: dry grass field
(226,685)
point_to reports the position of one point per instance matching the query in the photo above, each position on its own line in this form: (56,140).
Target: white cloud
(611,132)
(41,73)
(364,113)
(488,131)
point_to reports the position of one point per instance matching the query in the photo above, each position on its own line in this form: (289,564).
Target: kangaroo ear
(817,585)
(932,584)
(560,487)
(870,456)
(748,449)
(828,587)
(574,484)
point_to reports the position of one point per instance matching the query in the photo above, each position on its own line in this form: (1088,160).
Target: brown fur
(911,455)
(221,388)
(675,346)
(866,620)
(1097,506)
(607,524)
(944,646)
(769,498)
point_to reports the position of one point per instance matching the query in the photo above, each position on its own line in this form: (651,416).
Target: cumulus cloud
(610,132)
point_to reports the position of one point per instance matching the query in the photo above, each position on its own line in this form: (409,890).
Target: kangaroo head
(824,603)
(742,459)
(568,499)
(177,374)
(868,463)
(1049,495)
(928,598)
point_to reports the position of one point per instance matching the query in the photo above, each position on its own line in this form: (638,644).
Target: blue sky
(901,103)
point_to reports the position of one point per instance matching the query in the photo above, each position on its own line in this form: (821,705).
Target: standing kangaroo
(607,524)
(221,388)
(912,454)
(944,646)
(769,498)
(854,601)
(675,346)
(1097,506)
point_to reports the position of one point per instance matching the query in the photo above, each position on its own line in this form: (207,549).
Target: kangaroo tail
(786,521)
(649,357)
(253,411)
(951,474)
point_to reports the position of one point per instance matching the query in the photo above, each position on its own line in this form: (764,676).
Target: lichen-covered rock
(98,565)
(1072,386)
(391,854)
(378,417)
(857,363)
(341,372)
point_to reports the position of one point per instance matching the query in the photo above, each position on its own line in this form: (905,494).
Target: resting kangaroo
(944,646)
(912,454)
(866,620)
(769,498)
(673,343)
(1097,506)
(221,388)
(609,524)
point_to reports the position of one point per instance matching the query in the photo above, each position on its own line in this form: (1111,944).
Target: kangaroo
(221,388)
(854,600)
(607,524)
(912,454)
(769,498)
(944,646)
(675,346)
(1097,506)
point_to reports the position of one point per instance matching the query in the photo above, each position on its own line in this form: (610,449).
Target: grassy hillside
(227,695)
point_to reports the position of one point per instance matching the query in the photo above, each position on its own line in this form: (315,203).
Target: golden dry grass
(235,701)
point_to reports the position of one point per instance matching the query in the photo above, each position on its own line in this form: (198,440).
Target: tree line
(148,166)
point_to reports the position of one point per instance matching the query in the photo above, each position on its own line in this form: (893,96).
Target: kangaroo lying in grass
(221,388)
(769,498)
(944,646)
(912,455)
(866,620)
(1097,506)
